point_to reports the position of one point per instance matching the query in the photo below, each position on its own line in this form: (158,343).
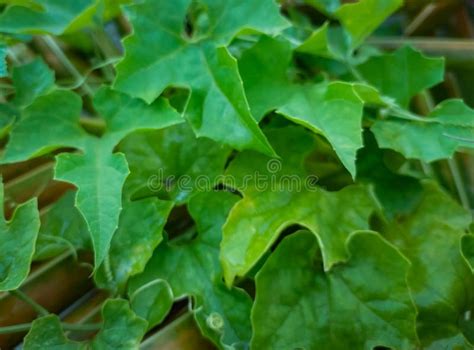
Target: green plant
(262,126)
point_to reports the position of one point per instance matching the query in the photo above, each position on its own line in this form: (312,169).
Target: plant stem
(24,327)
(61,56)
(24,297)
(458,182)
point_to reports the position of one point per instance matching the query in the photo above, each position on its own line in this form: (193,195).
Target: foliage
(290,152)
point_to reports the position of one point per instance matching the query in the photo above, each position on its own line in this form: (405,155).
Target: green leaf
(17,242)
(139,233)
(98,174)
(47,333)
(62,228)
(255,222)
(360,304)
(53,17)
(121,330)
(152,301)
(57,113)
(217,107)
(172,163)
(403,73)
(99,177)
(440,279)
(331,109)
(193,269)
(449,127)
(326,6)
(361,18)
(31,81)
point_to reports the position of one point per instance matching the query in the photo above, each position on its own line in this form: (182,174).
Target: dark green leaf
(359,304)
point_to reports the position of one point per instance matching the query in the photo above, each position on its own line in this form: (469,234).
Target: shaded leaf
(62,228)
(172,163)
(440,278)
(299,305)
(139,233)
(193,269)
(17,242)
(47,333)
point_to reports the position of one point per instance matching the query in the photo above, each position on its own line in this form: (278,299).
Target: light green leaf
(47,333)
(121,330)
(361,18)
(17,242)
(54,17)
(331,109)
(403,73)
(139,233)
(285,195)
(99,177)
(440,279)
(217,107)
(62,228)
(360,304)
(193,269)
(170,162)
(49,123)
(449,127)
(152,301)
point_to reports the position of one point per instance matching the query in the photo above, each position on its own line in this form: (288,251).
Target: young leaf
(17,242)
(255,222)
(440,279)
(62,228)
(331,109)
(360,304)
(170,162)
(47,333)
(402,74)
(449,127)
(152,301)
(199,61)
(139,232)
(121,330)
(193,269)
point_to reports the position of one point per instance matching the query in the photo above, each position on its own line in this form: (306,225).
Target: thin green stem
(458,182)
(108,270)
(61,56)
(24,297)
(25,327)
